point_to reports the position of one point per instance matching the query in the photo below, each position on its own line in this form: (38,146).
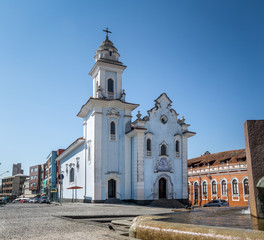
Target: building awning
(75,187)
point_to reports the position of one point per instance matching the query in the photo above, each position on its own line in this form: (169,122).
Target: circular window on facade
(164,119)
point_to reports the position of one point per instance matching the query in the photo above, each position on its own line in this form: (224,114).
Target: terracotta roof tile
(216,158)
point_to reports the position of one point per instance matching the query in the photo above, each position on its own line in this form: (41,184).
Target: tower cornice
(92,102)
(107,64)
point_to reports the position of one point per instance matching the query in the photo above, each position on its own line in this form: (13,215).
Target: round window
(164,119)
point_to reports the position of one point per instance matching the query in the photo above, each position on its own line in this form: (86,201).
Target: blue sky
(206,55)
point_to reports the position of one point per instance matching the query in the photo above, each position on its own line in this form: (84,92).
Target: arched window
(235,186)
(214,189)
(112,131)
(196,193)
(177,148)
(224,187)
(148,147)
(163,149)
(204,188)
(246,187)
(110,85)
(72,175)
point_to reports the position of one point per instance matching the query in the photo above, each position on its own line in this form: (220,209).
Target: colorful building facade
(221,175)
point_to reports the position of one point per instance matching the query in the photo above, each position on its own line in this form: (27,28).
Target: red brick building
(221,175)
(35,179)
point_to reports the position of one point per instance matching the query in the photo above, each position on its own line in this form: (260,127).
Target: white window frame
(213,194)
(221,182)
(243,182)
(235,194)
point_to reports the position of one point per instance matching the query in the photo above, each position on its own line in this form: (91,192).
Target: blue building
(49,187)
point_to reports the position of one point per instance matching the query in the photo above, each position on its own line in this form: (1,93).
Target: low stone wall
(145,228)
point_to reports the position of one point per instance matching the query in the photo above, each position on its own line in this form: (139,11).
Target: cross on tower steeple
(106,30)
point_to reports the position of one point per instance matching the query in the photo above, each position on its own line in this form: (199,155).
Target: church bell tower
(107,72)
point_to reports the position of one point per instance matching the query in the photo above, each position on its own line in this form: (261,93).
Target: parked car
(17,200)
(36,200)
(31,200)
(216,203)
(24,200)
(44,200)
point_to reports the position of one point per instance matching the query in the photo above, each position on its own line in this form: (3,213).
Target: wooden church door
(162,188)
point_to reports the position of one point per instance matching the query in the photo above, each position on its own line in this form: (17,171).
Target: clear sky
(208,56)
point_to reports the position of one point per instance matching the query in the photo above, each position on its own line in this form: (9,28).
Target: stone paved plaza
(41,221)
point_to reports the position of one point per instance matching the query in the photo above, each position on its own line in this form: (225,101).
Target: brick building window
(246,187)
(224,187)
(204,188)
(214,189)
(235,186)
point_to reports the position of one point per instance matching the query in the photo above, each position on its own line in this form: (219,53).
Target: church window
(177,148)
(72,175)
(224,187)
(163,149)
(148,147)
(110,85)
(112,131)
(214,189)
(164,119)
(246,187)
(204,188)
(235,186)
(110,53)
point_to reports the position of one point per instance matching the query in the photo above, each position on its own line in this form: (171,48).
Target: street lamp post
(4,172)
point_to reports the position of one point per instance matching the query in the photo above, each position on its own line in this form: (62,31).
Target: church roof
(106,45)
(217,158)
(70,148)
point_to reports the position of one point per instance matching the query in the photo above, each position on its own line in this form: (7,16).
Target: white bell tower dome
(107,72)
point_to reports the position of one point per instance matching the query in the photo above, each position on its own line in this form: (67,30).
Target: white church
(116,158)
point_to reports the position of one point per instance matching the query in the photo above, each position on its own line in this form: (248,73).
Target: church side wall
(89,157)
(128,170)
(67,163)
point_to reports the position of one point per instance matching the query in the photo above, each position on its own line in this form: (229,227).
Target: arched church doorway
(111,188)
(162,188)
(196,192)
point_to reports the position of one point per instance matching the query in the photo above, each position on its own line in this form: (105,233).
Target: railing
(174,195)
(217,168)
(148,153)
(119,194)
(150,196)
(110,95)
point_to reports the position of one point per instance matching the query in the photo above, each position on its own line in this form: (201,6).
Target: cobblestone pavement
(41,221)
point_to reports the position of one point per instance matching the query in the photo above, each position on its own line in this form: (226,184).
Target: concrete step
(167,203)
(113,201)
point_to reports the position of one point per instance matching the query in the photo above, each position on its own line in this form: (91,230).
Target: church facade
(116,158)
